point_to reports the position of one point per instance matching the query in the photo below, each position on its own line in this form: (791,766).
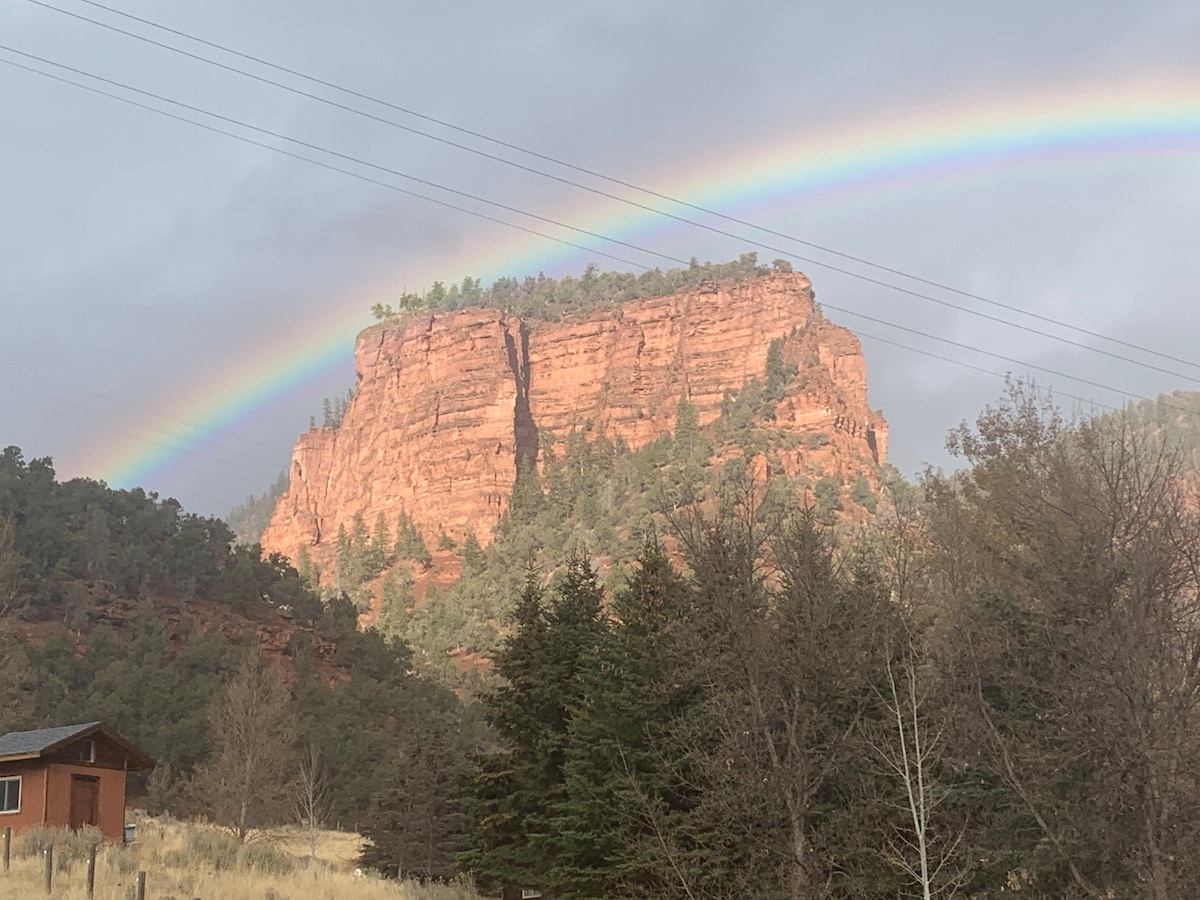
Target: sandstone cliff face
(447,407)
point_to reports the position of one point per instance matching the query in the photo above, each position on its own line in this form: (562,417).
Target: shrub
(69,845)
(127,859)
(828,492)
(266,858)
(217,848)
(861,493)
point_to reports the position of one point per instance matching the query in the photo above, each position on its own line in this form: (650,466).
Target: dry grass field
(187,860)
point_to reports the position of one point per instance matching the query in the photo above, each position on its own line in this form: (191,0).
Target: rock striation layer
(447,406)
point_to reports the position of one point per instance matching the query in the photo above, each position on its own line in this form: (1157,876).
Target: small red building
(67,777)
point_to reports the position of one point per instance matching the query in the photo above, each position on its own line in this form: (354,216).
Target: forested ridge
(557,298)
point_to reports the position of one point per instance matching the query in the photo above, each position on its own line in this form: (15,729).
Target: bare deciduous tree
(1074,650)
(310,794)
(911,748)
(246,784)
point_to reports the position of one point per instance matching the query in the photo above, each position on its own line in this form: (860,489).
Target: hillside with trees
(987,689)
(992,692)
(119,606)
(450,600)
(249,519)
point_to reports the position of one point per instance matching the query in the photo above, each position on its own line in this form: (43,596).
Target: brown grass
(186,860)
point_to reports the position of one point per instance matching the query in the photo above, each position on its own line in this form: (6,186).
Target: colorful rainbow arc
(985,135)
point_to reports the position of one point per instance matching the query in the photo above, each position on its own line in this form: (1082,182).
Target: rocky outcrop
(448,406)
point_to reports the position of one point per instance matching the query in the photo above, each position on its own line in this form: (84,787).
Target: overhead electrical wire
(583,231)
(379,182)
(612,180)
(974,368)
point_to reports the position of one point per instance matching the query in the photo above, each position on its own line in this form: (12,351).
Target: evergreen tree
(415,827)
(687,429)
(409,543)
(472,553)
(310,575)
(618,771)
(397,591)
(502,789)
(343,560)
(528,499)
(380,547)
(512,793)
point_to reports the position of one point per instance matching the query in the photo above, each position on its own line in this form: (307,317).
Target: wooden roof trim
(139,760)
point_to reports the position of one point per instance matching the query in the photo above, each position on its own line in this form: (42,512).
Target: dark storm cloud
(138,254)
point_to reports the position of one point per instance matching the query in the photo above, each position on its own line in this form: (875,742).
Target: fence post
(141,886)
(91,872)
(7,844)
(48,855)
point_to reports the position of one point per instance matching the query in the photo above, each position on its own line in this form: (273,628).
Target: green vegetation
(990,693)
(595,494)
(250,519)
(861,493)
(140,600)
(989,690)
(554,299)
(333,409)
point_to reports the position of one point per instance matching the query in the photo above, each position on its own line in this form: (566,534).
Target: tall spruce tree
(617,767)
(512,794)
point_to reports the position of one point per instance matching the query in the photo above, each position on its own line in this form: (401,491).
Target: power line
(966,365)
(612,180)
(587,232)
(297,156)
(506,223)
(994,355)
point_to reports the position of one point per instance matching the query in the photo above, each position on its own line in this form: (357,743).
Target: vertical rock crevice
(525,433)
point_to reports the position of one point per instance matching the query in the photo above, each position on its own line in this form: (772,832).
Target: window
(87,751)
(10,794)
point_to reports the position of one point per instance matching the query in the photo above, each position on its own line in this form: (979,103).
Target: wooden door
(85,801)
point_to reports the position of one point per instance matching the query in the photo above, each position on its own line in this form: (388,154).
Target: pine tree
(397,590)
(380,547)
(687,430)
(502,790)
(528,498)
(310,575)
(471,552)
(343,560)
(415,827)
(409,543)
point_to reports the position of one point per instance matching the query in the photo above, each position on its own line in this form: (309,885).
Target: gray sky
(144,262)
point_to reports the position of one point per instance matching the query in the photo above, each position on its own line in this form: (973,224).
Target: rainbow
(985,134)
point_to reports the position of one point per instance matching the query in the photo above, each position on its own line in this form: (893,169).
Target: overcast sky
(142,259)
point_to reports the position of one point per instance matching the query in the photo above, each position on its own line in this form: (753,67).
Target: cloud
(139,254)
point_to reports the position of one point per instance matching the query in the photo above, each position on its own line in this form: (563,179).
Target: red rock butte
(448,404)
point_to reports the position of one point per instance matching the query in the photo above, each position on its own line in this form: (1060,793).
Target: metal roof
(22,742)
